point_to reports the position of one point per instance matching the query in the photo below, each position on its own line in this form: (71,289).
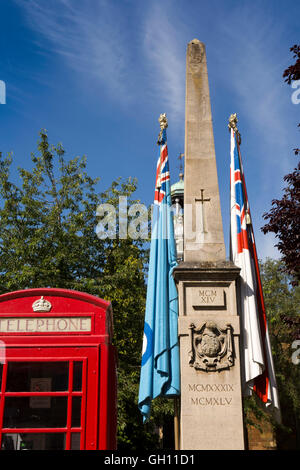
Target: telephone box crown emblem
(41,305)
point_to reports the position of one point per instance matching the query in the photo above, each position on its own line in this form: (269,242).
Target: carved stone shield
(211,347)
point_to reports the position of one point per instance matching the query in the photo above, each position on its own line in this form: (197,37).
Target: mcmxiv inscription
(208,297)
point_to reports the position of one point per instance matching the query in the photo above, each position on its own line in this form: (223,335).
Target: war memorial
(208,315)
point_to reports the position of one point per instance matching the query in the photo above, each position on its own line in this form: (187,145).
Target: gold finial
(163,122)
(233,122)
(233,125)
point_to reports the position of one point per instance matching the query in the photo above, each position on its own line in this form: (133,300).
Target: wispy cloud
(89,36)
(164,51)
(253,71)
(136,59)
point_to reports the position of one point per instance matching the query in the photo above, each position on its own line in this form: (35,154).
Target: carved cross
(202,200)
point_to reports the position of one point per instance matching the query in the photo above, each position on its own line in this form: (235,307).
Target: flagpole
(176,423)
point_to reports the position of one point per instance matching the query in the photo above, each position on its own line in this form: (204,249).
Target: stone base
(211,400)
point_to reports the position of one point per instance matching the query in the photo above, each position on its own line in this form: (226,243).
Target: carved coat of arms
(211,347)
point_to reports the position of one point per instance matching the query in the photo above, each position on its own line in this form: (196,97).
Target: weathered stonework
(211,401)
(211,346)
(203,230)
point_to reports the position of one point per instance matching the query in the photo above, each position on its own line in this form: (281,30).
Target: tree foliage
(282,301)
(293,71)
(48,239)
(282,292)
(284,216)
(284,220)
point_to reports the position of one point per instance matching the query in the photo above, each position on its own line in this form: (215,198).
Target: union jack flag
(258,368)
(240,209)
(162,170)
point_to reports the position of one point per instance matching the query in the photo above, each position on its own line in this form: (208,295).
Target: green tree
(48,239)
(282,300)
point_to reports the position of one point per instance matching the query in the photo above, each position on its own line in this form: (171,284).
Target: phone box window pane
(76,412)
(75,441)
(34,441)
(77,376)
(35,412)
(37,376)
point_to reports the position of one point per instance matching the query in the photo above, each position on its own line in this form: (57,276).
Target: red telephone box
(58,371)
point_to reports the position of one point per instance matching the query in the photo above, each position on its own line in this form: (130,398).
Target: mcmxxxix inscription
(211,388)
(211,400)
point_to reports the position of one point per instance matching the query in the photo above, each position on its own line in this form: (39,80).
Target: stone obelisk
(203,230)
(211,402)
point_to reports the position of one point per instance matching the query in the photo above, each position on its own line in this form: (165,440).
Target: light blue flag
(160,370)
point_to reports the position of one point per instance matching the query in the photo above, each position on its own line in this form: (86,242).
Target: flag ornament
(160,374)
(258,368)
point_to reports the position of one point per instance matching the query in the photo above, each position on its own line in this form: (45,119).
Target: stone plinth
(211,399)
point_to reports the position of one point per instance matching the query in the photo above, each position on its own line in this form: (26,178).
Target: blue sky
(97,74)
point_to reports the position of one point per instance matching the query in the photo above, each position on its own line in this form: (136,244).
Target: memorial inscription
(211,387)
(211,400)
(203,297)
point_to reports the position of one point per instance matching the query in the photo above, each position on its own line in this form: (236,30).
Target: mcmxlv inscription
(211,401)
